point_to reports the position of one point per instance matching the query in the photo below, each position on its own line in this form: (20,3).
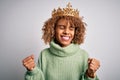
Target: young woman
(64,59)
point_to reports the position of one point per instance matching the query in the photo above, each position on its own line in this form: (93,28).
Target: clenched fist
(93,66)
(29,63)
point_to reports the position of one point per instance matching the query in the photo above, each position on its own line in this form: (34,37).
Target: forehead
(63,21)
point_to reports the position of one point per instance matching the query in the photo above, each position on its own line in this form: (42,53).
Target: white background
(20,33)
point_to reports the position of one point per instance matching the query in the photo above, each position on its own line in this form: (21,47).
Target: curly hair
(49,28)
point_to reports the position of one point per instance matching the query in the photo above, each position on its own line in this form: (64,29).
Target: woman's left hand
(93,66)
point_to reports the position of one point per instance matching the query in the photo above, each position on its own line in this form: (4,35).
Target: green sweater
(60,63)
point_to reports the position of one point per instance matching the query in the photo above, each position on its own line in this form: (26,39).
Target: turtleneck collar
(63,51)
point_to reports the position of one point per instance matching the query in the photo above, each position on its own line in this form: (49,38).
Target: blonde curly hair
(49,29)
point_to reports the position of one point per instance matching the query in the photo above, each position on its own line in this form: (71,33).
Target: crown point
(68,11)
(69,5)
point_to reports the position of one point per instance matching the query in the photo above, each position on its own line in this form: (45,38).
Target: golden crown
(68,11)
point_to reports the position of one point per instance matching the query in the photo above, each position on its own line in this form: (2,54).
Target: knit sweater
(60,63)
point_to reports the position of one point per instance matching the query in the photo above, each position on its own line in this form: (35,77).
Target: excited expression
(64,32)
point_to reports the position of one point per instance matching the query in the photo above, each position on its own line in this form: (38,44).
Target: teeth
(65,38)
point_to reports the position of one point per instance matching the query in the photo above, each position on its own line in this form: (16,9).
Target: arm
(93,66)
(90,68)
(33,72)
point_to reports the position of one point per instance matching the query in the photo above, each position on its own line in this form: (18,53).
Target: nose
(66,31)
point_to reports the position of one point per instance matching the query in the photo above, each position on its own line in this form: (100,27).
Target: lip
(65,38)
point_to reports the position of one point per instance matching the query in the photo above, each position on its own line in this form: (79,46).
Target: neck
(63,51)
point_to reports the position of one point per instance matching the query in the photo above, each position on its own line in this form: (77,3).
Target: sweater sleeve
(85,67)
(84,77)
(36,73)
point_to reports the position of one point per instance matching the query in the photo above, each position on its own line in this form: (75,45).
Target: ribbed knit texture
(60,63)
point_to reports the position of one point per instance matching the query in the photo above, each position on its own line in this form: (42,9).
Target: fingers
(93,64)
(29,63)
(89,60)
(32,56)
(28,58)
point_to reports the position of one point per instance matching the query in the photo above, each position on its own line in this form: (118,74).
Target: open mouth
(65,38)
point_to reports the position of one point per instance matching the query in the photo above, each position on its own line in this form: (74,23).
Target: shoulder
(45,52)
(83,52)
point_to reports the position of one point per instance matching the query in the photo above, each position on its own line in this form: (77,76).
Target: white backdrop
(20,33)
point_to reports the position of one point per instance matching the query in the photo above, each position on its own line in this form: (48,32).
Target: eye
(61,26)
(72,28)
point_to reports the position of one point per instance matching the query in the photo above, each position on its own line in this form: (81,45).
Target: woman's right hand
(29,63)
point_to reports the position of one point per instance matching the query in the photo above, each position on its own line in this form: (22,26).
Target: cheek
(57,34)
(73,33)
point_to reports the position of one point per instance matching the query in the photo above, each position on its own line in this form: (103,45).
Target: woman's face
(64,32)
